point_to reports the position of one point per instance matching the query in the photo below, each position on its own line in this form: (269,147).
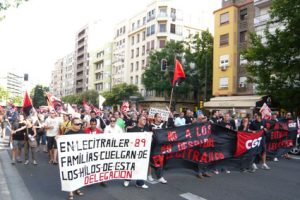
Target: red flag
(27,105)
(53,102)
(86,106)
(179,74)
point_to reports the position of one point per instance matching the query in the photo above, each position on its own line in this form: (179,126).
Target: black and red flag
(27,105)
(179,74)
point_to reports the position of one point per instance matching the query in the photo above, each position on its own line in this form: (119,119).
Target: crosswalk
(4,143)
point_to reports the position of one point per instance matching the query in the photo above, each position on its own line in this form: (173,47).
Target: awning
(233,102)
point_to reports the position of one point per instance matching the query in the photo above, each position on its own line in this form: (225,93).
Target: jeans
(39,138)
(26,149)
(158,172)
(140,182)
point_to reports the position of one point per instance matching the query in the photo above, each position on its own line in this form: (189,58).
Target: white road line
(295,157)
(190,196)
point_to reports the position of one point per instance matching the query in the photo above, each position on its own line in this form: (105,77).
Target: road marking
(295,157)
(152,182)
(190,196)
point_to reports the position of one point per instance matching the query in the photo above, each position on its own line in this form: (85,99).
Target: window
(143,64)
(162,28)
(162,43)
(132,53)
(132,40)
(137,66)
(224,39)
(243,14)
(132,26)
(242,82)
(152,29)
(152,44)
(173,14)
(143,50)
(144,20)
(136,79)
(151,15)
(138,23)
(99,86)
(223,82)
(137,52)
(99,76)
(173,28)
(148,46)
(131,80)
(224,60)
(137,38)
(243,36)
(131,65)
(144,35)
(163,12)
(224,18)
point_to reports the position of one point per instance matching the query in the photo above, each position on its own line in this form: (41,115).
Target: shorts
(18,144)
(51,143)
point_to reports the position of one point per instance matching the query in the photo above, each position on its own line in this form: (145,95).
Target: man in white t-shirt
(52,125)
(112,127)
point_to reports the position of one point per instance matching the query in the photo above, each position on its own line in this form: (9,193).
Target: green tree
(273,65)
(90,96)
(4,94)
(38,95)
(200,52)
(120,93)
(155,79)
(17,100)
(6,4)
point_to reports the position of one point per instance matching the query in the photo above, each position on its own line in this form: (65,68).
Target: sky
(39,32)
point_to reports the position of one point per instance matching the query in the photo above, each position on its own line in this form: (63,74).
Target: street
(42,182)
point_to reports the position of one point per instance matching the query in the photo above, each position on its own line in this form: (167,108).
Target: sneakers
(19,160)
(26,162)
(162,180)
(126,183)
(34,162)
(254,166)
(150,178)
(142,186)
(275,159)
(265,166)
(227,171)
(216,171)
(13,161)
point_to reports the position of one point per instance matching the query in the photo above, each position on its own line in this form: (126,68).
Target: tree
(3,94)
(200,52)
(119,93)
(273,65)
(6,4)
(90,96)
(155,79)
(198,49)
(38,96)
(17,100)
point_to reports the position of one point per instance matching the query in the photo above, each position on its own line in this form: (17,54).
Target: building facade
(149,30)
(233,23)
(100,69)
(62,77)
(12,82)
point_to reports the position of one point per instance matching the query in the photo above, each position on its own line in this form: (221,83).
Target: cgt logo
(250,144)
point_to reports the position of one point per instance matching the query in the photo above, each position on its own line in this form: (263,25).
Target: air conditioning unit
(223,67)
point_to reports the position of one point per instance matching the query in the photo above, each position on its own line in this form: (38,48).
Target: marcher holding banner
(140,127)
(75,129)
(158,124)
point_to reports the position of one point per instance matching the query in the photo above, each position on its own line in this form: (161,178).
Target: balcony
(261,19)
(262,3)
(162,17)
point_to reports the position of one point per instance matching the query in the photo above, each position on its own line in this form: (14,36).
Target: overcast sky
(35,35)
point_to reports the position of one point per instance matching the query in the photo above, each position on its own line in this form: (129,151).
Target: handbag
(31,140)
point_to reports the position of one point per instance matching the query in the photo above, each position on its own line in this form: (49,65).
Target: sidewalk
(12,186)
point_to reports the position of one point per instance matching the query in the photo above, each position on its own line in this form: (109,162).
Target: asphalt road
(42,182)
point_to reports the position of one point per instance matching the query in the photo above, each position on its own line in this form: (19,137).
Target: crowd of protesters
(46,127)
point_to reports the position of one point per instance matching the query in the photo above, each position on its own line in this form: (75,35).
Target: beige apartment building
(149,30)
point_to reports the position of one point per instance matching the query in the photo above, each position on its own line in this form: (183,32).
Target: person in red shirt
(93,127)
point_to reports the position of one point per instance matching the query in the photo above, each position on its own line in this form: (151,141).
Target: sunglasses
(78,124)
(113,121)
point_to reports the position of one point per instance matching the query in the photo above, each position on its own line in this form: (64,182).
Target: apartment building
(233,23)
(100,68)
(147,31)
(62,77)
(12,82)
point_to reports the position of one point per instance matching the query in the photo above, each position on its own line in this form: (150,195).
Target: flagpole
(171,98)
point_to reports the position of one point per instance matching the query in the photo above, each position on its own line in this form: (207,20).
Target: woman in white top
(112,127)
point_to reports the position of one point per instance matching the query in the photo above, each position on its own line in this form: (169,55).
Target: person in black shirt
(18,136)
(189,118)
(30,134)
(76,128)
(257,125)
(140,127)
(228,122)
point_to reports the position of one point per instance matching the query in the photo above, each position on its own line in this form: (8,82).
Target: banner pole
(171,98)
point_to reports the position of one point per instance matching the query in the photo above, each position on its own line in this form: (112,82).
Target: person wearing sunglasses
(76,128)
(113,127)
